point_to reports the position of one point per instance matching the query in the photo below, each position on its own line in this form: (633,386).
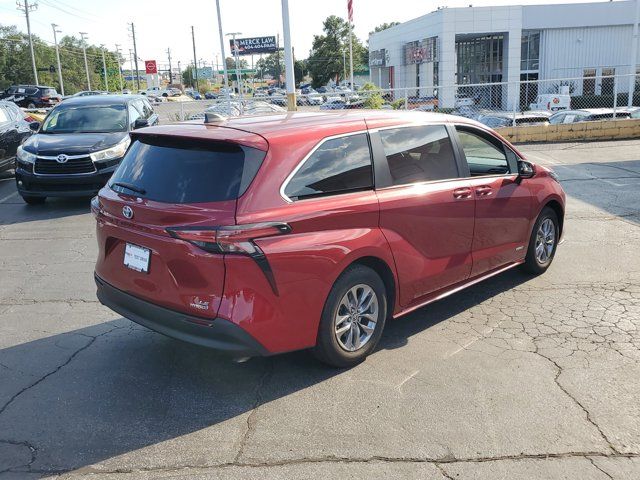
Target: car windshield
(86,119)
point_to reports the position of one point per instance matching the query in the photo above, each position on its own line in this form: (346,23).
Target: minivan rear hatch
(167,182)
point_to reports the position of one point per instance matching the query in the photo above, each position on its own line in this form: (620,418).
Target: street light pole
(224,58)
(195,61)
(55,40)
(86,65)
(288,59)
(237,61)
(119,67)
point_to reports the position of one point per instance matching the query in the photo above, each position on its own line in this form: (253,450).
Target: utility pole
(237,61)
(55,40)
(86,65)
(131,65)
(26,8)
(180,70)
(170,72)
(288,58)
(634,55)
(135,54)
(104,68)
(195,61)
(119,67)
(224,57)
(344,64)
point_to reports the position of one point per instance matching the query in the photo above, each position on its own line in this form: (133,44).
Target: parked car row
(498,119)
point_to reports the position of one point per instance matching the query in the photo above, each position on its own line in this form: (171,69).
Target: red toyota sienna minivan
(267,234)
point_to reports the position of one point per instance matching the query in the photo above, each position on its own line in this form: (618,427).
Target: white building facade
(507,45)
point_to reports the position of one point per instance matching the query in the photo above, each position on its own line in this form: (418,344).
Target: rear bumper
(219,334)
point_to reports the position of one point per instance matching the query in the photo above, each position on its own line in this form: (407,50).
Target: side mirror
(140,122)
(34,126)
(526,169)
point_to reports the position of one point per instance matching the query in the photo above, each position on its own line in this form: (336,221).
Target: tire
(545,230)
(335,349)
(33,200)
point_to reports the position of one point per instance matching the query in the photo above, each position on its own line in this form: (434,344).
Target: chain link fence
(564,100)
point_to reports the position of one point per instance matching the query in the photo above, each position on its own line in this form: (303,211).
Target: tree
(384,26)
(231,64)
(272,64)
(325,60)
(15,62)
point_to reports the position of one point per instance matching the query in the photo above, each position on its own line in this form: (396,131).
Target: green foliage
(373,96)
(325,60)
(273,64)
(15,62)
(384,26)
(398,104)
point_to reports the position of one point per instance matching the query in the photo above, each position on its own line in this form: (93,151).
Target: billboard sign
(150,67)
(249,46)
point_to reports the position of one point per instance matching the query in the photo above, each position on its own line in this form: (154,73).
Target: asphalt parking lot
(515,378)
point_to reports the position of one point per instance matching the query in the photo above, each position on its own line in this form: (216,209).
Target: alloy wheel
(356,317)
(545,241)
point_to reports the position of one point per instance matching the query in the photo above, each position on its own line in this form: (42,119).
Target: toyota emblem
(62,158)
(127,211)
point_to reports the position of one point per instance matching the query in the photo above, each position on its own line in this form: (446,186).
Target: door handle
(463,192)
(484,191)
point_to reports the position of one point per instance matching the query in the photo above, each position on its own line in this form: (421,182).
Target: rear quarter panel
(328,234)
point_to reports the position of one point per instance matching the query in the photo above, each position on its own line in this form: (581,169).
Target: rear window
(173,170)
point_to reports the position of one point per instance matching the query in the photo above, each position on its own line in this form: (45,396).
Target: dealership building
(479,45)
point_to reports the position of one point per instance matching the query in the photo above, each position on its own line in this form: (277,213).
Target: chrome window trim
(457,179)
(311,152)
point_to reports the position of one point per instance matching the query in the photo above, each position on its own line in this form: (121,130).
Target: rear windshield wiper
(130,186)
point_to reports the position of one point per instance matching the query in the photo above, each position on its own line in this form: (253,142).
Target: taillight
(96,206)
(45,99)
(235,240)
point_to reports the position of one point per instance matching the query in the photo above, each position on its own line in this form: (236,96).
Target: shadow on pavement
(613,187)
(115,387)
(15,210)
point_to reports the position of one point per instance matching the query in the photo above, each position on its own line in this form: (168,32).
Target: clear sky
(167,24)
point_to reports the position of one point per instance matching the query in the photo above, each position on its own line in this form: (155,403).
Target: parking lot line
(2,200)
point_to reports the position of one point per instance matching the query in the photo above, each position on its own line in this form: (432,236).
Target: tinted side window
(338,165)
(484,155)
(419,154)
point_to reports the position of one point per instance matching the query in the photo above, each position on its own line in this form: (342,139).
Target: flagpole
(353,88)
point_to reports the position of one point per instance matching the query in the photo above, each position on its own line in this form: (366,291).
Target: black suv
(15,127)
(79,145)
(32,96)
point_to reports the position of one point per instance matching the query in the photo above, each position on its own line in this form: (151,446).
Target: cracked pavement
(518,377)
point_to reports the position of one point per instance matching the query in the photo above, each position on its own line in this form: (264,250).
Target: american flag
(350,10)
